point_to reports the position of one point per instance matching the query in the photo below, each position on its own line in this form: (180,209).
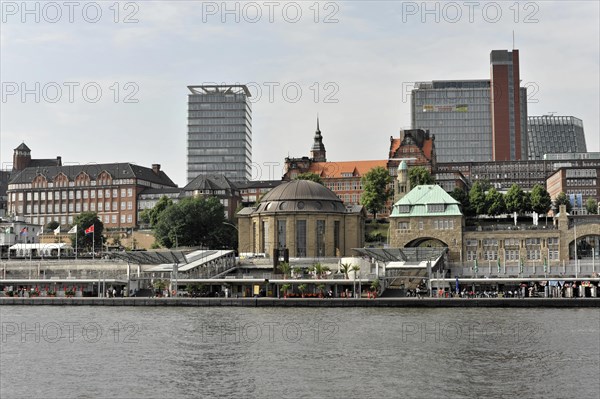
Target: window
(403,208)
(85,194)
(71,195)
(122,218)
(100,206)
(93,194)
(85,206)
(281,234)
(92,206)
(123,205)
(403,226)
(320,238)
(433,208)
(115,193)
(100,194)
(129,218)
(129,205)
(130,192)
(420,225)
(115,206)
(78,207)
(123,192)
(78,194)
(106,219)
(301,238)
(114,218)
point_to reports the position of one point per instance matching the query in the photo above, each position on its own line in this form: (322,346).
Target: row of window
(63,181)
(345,186)
(510,242)
(512,255)
(68,220)
(77,207)
(77,194)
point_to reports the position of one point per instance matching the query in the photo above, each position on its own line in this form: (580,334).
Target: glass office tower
(458,114)
(219,132)
(549,134)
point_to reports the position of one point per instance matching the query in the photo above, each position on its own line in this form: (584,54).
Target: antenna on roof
(513,39)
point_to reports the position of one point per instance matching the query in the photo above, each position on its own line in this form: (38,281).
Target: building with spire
(317,152)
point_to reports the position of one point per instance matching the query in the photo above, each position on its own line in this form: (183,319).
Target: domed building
(306,218)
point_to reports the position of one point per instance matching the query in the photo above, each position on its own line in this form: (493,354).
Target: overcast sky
(352,62)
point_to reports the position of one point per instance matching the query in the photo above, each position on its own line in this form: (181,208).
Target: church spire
(318,149)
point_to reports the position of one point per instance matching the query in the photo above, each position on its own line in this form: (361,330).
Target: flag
(457,287)
(515,217)
(57,230)
(39,233)
(24,231)
(498,265)
(521,266)
(8,230)
(73,230)
(475,267)
(89,229)
(545,265)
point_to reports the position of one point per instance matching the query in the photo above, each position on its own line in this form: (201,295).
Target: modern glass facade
(220,132)
(458,114)
(551,134)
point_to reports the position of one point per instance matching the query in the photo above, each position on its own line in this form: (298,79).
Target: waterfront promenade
(313,302)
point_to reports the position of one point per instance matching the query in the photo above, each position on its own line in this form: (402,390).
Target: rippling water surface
(78,352)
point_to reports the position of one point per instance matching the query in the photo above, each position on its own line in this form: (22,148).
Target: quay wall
(304,302)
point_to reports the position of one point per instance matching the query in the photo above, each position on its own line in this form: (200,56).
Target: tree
(562,199)
(419,175)
(285,268)
(495,202)
(151,215)
(461,196)
(310,176)
(345,268)
(477,199)
(516,200)
(51,226)
(376,189)
(84,241)
(591,205)
(540,199)
(194,221)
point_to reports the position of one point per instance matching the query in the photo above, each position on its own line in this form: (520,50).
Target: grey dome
(300,196)
(300,190)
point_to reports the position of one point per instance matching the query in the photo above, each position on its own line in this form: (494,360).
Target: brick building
(578,184)
(415,146)
(43,193)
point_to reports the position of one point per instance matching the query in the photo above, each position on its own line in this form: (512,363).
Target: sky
(106,81)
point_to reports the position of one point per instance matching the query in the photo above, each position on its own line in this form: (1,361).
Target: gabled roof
(336,169)
(210,182)
(419,197)
(22,147)
(116,170)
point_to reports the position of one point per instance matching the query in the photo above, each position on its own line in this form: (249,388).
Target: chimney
(58,161)
(156,168)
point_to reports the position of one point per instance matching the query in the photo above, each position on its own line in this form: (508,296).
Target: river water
(133,352)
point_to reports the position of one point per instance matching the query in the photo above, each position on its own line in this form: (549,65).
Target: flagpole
(76,239)
(93,243)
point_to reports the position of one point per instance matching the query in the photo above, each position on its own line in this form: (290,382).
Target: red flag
(89,229)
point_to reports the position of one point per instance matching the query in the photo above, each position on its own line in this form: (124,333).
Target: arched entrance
(426,242)
(588,247)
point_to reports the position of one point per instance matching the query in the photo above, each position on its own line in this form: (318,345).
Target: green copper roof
(427,200)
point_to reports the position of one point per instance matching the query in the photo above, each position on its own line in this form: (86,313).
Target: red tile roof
(336,169)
